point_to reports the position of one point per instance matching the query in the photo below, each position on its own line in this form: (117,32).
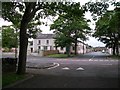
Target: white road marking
(80,68)
(84,60)
(106,60)
(54,66)
(91,58)
(106,64)
(65,68)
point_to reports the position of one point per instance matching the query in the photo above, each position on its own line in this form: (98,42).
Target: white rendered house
(46,42)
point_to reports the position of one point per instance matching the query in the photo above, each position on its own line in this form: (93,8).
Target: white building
(46,42)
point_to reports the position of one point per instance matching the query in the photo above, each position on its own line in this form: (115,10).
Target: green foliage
(61,40)
(6,49)
(108,24)
(107,29)
(8,37)
(70,25)
(96,8)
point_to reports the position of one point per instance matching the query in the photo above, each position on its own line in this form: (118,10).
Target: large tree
(24,13)
(71,25)
(107,26)
(107,30)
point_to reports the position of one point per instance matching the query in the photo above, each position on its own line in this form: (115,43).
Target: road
(91,70)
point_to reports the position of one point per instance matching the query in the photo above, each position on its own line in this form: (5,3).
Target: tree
(8,37)
(108,23)
(61,40)
(107,29)
(72,24)
(28,12)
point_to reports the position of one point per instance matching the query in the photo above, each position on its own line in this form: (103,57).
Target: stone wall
(9,65)
(48,52)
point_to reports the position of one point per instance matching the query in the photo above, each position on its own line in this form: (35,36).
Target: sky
(46,29)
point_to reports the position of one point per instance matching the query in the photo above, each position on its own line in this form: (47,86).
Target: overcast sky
(46,29)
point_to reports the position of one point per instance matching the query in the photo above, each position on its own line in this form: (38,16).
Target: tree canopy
(70,26)
(8,37)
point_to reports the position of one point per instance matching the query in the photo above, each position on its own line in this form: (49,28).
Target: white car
(103,51)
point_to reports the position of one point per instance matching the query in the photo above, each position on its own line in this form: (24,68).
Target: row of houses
(44,42)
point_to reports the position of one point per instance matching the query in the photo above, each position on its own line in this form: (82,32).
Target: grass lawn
(10,78)
(60,55)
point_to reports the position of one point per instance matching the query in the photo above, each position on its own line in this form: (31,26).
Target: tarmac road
(92,70)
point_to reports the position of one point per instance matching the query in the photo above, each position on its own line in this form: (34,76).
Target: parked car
(103,51)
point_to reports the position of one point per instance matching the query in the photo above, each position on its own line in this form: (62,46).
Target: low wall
(48,52)
(9,64)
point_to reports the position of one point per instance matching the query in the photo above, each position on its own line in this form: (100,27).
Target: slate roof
(44,36)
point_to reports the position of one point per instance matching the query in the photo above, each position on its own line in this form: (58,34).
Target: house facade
(46,42)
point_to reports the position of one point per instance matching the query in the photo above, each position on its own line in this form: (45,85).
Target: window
(45,47)
(73,48)
(31,49)
(39,42)
(31,43)
(39,47)
(47,41)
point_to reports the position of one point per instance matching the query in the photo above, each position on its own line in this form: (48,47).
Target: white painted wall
(61,51)
(43,42)
(51,43)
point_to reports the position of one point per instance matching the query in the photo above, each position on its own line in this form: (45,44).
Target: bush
(6,49)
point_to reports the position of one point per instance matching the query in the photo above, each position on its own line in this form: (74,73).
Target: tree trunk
(113,49)
(75,42)
(27,17)
(15,52)
(16,45)
(117,47)
(76,46)
(83,47)
(68,50)
(23,48)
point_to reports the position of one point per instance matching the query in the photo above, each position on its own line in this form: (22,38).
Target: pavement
(32,74)
(51,81)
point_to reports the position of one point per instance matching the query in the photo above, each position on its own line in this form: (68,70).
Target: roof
(44,36)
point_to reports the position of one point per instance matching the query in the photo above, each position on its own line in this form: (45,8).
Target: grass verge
(115,57)
(60,55)
(10,78)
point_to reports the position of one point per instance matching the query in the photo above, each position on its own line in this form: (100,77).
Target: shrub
(6,49)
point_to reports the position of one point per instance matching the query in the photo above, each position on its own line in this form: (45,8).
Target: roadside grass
(10,78)
(115,57)
(60,55)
